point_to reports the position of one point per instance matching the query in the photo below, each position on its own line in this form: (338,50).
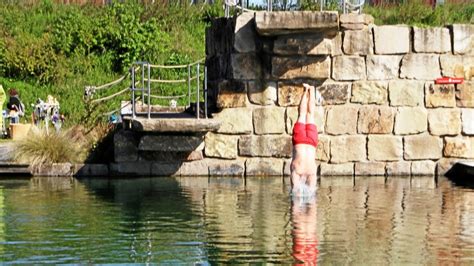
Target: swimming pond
(192,220)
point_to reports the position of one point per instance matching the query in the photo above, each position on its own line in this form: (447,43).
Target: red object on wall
(448,80)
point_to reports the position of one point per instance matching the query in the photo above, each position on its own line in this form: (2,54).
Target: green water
(362,221)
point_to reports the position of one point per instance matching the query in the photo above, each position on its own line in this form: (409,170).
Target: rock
(235,121)
(375,120)
(170,156)
(89,170)
(308,44)
(346,169)
(231,94)
(265,146)
(348,68)
(358,42)
(262,94)
(420,66)
(231,168)
(194,168)
(423,168)
(467,121)
(246,66)
(245,34)
(269,120)
(406,93)
(459,147)
(263,167)
(392,39)
(347,26)
(422,147)
(334,93)
(432,40)
(400,168)
(174,143)
(352,18)
(221,146)
(465,94)
(130,169)
(367,92)
(411,120)
(342,120)
(383,67)
(444,121)
(463,38)
(444,164)
(289,94)
(384,148)
(369,168)
(340,153)
(125,146)
(55,169)
(441,95)
(315,67)
(459,66)
(165,169)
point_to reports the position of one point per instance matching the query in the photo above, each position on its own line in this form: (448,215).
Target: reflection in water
(369,220)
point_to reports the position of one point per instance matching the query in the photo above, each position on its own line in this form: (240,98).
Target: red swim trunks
(305,134)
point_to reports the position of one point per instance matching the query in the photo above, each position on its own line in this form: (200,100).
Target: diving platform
(10,168)
(172,122)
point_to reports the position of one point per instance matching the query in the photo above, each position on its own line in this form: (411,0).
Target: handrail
(177,66)
(110,96)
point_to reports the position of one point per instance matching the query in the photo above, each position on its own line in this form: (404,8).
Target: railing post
(189,85)
(143,84)
(205,91)
(149,90)
(133,92)
(197,94)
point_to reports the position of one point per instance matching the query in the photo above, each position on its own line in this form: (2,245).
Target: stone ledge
(173,125)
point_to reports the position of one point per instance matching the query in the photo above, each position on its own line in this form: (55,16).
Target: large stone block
(348,149)
(166,169)
(459,147)
(460,66)
(231,94)
(352,18)
(292,116)
(125,146)
(246,66)
(54,169)
(423,168)
(411,120)
(440,95)
(431,40)
(221,146)
(219,67)
(230,168)
(358,42)
(420,66)
(265,146)
(323,152)
(289,94)
(406,93)
(367,92)
(382,67)
(308,44)
(235,121)
(245,34)
(194,168)
(443,121)
(263,167)
(400,168)
(170,156)
(269,120)
(345,169)
(375,120)
(314,67)
(342,120)
(384,148)
(172,143)
(467,121)
(465,94)
(443,165)
(348,68)
(284,22)
(130,169)
(334,93)
(89,170)
(422,147)
(262,93)
(463,38)
(369,168)
(392,39)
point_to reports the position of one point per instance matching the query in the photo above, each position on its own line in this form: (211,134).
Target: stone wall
(382,115)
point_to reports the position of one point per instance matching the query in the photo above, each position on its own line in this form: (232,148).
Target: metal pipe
(189,86)
(205,91)
(143,84)
(197,94)
(133,92)
(149,91)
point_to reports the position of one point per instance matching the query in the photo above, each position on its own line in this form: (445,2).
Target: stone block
(235,120)
(308,44)
(314,67)
(423,168)
(245,34)
(130,169)
(334,93)
(443,165)
(383,67)
(165,169)
(173,143)
(463,38)
(219,67)
(420,67)
(459,147)
(195,168)
(270,120)
(465,94)
(400,168)
(231,94)
(348,68)
(406,93)
(286,167)
(392,39)
(125,146)
(342,120)
(221,146)
(440,95)
(467,117)
(422,147)
(323,152)
(384,148)
(292,116)
(167,156)
(460,66)
(230,168)
(431,40)
(55,169)
(262,93)
(352,18)
(263,167)
(88,170)
(246,66)
(284,22)
(289,94)
(348,26)
(348,149)
(265,146)
(345,169)
(444,121)
(367,92)
(358,42)
(375,120)
(411,120)
(369,168)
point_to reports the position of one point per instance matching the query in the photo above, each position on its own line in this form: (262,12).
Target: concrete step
(14,168)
